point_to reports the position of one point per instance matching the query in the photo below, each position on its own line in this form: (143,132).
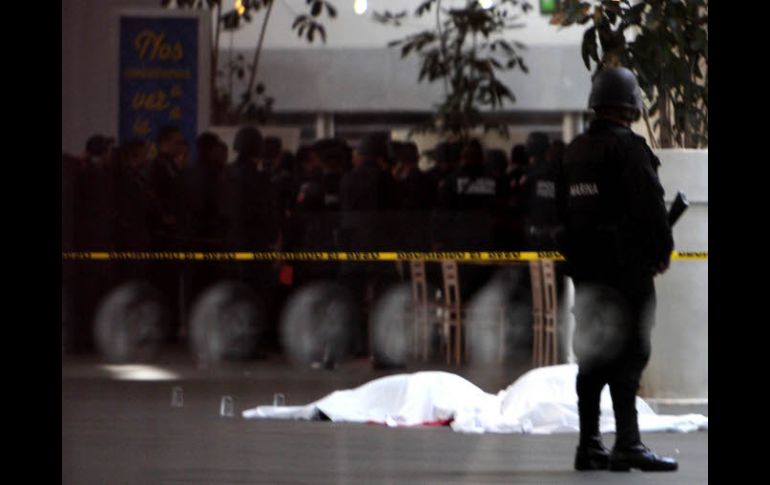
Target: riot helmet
(616,88)
(537,145)
(248,142)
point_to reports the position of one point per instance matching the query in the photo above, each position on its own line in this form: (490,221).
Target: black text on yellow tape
(475,256)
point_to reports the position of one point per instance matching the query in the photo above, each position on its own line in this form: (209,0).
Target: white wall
(678,367)
(379,80)
(351,31)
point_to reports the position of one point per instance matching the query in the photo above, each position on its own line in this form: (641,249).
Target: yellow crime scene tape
(475,256)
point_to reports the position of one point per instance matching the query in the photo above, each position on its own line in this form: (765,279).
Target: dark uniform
(249,206)
(94,218)
(367,202)
(167,230)
(248,199)
(542,211)
(464,218)
(167,217)
(416,196)
(616,239)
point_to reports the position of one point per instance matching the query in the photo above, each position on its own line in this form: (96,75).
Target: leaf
(317,8)
(298,20)
(311,32)
(423,73)
(331,10)
(322,31)
(699,41)
(588,47)
(423,8)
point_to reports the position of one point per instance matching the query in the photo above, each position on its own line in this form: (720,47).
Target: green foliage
(258,105)
(466,51)
(665,43)
(253,104)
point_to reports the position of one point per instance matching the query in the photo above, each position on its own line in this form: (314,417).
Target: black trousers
(614,318)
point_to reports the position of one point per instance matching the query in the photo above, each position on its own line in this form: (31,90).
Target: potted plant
(665,43)
(254,104)
(465,50)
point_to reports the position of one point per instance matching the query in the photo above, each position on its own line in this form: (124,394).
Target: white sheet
(542,401)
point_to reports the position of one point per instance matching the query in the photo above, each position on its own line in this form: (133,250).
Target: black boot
(592,455)
(642,458)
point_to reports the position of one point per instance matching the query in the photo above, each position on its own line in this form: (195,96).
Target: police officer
(542,213)
(416,197)
(249,202)
(367,200)
(616,239)
(249,208)
(166,182)
(464,215)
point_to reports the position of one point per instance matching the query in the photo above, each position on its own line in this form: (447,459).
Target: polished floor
(118,426)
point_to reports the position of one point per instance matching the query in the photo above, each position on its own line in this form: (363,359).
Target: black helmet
(537,144)
(98,145)
(615,87)
(248,141)
(374,145)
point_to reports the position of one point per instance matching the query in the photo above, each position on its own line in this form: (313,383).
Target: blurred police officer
(249,202)
(616,239)
(464,215)
(249,207)
(166,219)
(367,200)
(366,193)
(542,213)
(416,197)
(514,191)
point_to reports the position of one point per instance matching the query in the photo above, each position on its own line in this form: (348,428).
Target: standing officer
(367,200)
(617,238)
(542,213)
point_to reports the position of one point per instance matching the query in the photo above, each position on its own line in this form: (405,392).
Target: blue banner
(158,77)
